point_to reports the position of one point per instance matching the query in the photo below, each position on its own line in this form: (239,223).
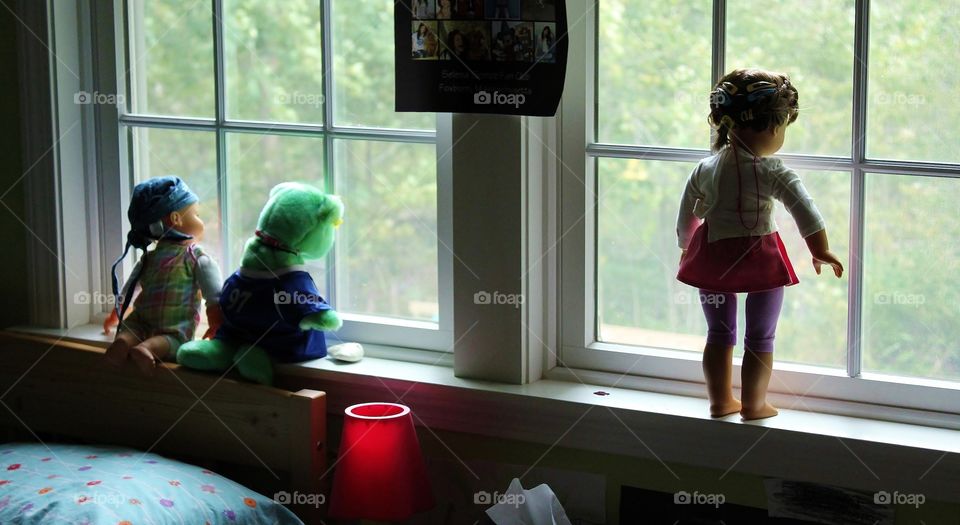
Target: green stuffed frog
(272,310)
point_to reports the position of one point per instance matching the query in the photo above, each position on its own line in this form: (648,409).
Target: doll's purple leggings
(762,312)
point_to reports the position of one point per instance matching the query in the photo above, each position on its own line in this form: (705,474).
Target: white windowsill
(565,401)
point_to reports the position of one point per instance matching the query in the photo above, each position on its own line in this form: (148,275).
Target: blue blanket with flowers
(93,485)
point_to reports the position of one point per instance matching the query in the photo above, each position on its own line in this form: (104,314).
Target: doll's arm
(210,281)
(112,320)
(788,189)
(687,221)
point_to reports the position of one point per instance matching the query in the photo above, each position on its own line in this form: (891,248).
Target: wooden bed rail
(51,387)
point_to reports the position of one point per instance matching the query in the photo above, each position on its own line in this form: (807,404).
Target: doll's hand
(828,257)
(110,322)
(683,253)
(214,320)
(820,250)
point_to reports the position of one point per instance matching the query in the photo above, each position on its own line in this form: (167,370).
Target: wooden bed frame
(66,390)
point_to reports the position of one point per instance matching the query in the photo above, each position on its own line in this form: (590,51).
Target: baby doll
(171,278)
(726,254)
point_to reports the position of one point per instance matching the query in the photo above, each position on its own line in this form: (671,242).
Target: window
(877,150)
(236,96)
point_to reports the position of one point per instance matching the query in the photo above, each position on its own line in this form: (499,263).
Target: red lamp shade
(380,473)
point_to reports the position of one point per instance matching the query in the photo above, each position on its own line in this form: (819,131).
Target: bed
(96,437)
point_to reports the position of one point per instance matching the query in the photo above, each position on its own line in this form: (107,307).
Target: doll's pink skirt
(737,264)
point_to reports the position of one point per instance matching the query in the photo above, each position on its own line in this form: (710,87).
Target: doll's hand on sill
(214,320)
(110,322)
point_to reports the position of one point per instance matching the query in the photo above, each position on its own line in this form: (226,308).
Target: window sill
(867,454)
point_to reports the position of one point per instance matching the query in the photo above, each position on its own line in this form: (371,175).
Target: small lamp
(380,473)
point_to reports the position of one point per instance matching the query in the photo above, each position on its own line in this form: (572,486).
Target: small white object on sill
(348,352)
(536,506)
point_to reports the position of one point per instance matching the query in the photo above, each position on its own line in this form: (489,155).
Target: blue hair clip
(760,89)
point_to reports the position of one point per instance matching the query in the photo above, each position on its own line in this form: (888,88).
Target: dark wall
(13,235)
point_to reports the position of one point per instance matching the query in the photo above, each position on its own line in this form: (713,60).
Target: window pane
(387,251)
(255,164)
(912,110)
(640,301)
(813,44)
(363,67)
(274,61)
(192,156)
(813,323)
(171,58)
(639,298)
(653,79)
(911,277)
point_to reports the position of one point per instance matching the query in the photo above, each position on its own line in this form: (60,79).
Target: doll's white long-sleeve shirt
(711,194)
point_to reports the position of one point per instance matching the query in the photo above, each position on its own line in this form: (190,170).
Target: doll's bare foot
(119,349)
(767,410)
(144,359)
(725,408)
(147,354)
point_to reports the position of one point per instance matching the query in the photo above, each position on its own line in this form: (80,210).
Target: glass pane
(192,156)
(813,323)
(653,80)
(387,251)
(171,58)
(912,108)
(814,46)
(363,67)
(911,277)
(255,164)
(639,298)
(640,301)
(274,61)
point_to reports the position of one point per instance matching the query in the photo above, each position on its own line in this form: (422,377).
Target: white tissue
(349,352)
(536,506)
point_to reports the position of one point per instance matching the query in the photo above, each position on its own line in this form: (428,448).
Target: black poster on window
(480,56)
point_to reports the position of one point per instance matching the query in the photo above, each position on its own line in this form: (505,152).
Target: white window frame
(97,50)
(356,327)
(806,387)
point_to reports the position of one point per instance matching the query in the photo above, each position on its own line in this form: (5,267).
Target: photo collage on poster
(484,30)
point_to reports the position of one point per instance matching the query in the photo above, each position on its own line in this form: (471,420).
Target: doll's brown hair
(751,98)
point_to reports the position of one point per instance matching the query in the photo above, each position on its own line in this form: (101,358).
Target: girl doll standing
(736,247)
(171,278)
